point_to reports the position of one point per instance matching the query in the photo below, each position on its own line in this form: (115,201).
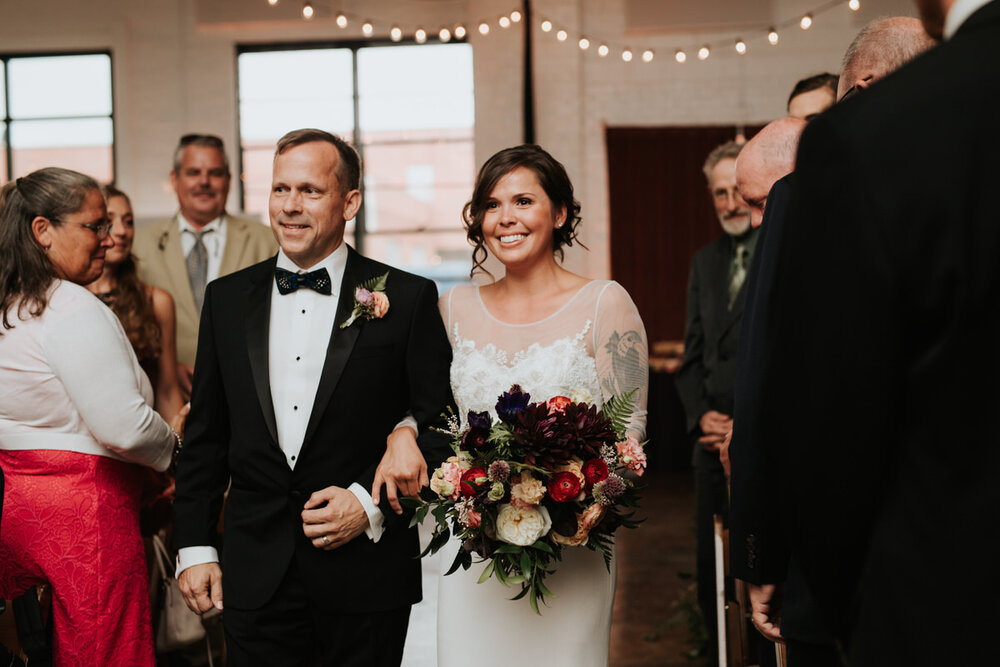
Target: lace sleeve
(622,351)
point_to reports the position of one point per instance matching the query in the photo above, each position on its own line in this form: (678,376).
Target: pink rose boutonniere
(370,301)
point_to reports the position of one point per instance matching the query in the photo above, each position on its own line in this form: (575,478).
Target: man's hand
(714,425)
(184,375)
(765,607)
(333,517)
(201,586)
(402,469)
(724,453)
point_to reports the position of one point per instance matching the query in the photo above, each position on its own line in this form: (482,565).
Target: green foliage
(619,409)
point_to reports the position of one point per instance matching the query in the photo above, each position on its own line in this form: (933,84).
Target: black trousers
(292,630)
(710,499)
(803,654)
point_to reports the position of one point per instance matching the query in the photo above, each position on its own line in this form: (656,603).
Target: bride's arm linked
(622,352)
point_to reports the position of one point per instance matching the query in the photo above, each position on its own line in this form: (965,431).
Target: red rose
(594,471)
(471,481)
(564,486)
(558,404)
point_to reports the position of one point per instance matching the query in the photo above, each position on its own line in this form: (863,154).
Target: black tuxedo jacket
(705,379)
(375,371)
(886,322)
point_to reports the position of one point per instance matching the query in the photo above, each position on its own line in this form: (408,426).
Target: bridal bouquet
(546,476)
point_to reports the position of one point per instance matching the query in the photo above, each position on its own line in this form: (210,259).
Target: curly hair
(131,300)
(25,270)
(553,179)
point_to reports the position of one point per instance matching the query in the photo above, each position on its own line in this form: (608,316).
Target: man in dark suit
(883,331)
(305,363)
(705,379)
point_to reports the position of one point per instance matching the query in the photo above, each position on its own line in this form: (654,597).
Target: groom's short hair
(349,167)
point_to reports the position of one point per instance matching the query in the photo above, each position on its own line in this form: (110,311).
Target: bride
(554,333)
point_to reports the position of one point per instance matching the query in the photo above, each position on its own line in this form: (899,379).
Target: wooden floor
(655,595)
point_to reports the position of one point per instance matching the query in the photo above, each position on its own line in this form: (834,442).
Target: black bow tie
(318,280)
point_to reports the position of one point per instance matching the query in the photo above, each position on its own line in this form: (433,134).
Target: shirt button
(295,407)
(293,458)
(303,311)
(298,358)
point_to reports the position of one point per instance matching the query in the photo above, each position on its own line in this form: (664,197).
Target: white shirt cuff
(374,530)
(191,556)
(408,420)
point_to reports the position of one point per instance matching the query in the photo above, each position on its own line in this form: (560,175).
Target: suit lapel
(180,284)
(258,309)
(236,242)
(341,343)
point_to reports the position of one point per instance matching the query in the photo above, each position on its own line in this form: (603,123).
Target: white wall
(175,72)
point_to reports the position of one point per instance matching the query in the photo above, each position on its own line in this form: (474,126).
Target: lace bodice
(594,346)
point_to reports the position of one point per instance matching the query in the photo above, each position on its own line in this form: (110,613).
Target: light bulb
(703,53)
(546,26)
(741,47)
(854,5)
(603,50)
(515,16)
(627,55)
(395,34)
(307,11)
(584,43)
(562,35)
(420,35)
(341,20)
(272,2)
(367,28)
(647,56)
(484,29)
(772,36)
(504,22)
(459,31)
(444,35)
(680,56)
(806,21)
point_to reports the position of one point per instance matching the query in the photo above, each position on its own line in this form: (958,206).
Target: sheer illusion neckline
(482,305)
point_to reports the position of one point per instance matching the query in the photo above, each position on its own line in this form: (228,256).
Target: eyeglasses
(100,229)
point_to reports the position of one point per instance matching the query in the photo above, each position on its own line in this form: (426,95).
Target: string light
(603,50)
(627,55)
(703,53)
(546,26)
(272,2)
(741,47)
(307,11)
(459,31)
(515,16)
(680,56)
(504,21)
(395,34)
(444,35)
(772,36)
(854,5)
(562,35)
(584,43)
(367,28)
(341,20)
(806,22)
(420,35)
(484,28)
(647,56)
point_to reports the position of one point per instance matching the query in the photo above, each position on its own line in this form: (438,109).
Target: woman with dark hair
(146,312)
(554,333)
(76,425)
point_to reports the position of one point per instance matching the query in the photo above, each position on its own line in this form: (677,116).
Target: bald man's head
(881,48)
(766,158)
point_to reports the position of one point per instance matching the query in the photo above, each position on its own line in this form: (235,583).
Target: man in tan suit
(199,244)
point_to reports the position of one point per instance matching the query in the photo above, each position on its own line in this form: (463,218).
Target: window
(409,110)
(57,111)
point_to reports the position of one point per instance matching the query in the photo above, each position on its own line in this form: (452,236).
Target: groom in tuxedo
(291,405)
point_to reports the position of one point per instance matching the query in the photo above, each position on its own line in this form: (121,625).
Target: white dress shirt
(215,243)
(298,336)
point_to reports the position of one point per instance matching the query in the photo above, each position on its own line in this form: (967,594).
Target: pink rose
(558,404)
(474,519)
(632,454)
(380,305)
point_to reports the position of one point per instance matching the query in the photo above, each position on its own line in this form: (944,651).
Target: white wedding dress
(591,348)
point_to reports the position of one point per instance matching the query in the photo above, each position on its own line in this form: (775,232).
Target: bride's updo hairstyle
(553,179)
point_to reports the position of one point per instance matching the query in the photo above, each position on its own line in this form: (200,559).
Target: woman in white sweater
(76,424)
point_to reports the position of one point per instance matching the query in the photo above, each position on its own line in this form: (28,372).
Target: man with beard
(705,379)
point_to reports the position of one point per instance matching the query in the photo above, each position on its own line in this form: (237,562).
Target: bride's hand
(178,421)
(402,469)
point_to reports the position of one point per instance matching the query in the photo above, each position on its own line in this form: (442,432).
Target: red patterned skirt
(71,520)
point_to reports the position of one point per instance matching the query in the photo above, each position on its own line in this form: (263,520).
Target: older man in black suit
(305,363)
(883,332)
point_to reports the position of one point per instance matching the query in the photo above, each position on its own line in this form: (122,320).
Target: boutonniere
(370,301)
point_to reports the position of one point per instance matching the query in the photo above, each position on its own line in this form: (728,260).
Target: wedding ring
(326,540)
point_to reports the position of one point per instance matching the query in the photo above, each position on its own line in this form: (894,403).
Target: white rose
(522,526)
